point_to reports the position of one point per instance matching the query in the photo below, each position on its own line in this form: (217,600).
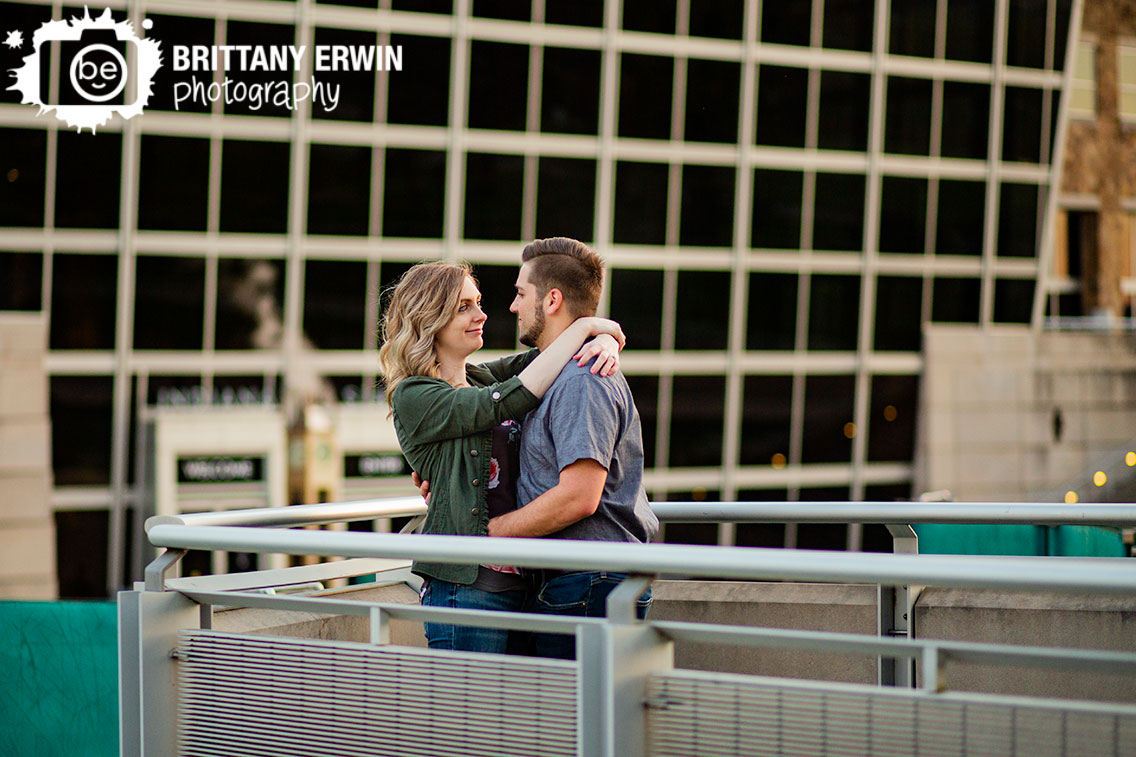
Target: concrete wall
(989,407)
(27,526)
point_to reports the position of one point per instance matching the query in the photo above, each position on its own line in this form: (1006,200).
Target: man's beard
(531,338)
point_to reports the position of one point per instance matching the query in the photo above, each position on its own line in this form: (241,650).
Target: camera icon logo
(102,68)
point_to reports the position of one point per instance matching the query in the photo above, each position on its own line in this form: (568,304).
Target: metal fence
(189,689)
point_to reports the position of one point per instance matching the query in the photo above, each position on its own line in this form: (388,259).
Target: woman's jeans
(583,594)
(469,638)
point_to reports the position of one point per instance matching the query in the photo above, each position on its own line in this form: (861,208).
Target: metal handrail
(1030,513)
(1089,575)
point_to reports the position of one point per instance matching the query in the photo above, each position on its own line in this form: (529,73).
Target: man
(581,455)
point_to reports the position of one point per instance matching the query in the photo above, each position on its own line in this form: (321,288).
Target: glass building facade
(784,193)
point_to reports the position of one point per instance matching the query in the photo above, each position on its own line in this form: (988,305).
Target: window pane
(422,6)
(493,189)
(498,85)
(696,421)
(970,30)
(640,203)
(766,407)
(712,101)
(250,294)
(771,320)
(83,289)
(570,101)
(169,303)
(1025,45)
(1013,300)
(498,287)
(81,421)
(87,180)
(717,18)
(966,120)
(844,99)
(335,302)
(848,24)
(834,312)
(829,409)
(414,193)
(22,274)
(356,88)
(903,214)
(339,189)
(912,28)
(907,129)
(257,34)
(254,186)
(1064,8)
(566,198)
(702,310)
(513,10)
(760,534)
(167,204)
(81,538)
(27,18)
(898,313)
(179,31)
(173,391)
(782,102)
(891,428)
(786,23)
(1017,220)
(649,16)
(637,304)
(23,154)
(645,390)
(645,83)
(420,92)
(838,223)
(707,206)
(574,12)
(777,199)
(956,300)
(1021,129)
(962,207)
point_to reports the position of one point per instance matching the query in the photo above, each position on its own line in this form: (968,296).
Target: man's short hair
(570,266)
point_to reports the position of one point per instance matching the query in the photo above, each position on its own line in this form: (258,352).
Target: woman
(458,426)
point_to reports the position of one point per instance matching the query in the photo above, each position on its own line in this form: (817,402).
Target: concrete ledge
(1047,619)
(308,625)
(846,608)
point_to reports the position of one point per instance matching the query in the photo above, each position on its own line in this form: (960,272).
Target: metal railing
(618,654)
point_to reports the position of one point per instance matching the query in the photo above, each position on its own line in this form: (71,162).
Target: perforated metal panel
(257,695)
(692,715)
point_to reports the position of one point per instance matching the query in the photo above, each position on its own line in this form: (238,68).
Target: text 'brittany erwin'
(286,57)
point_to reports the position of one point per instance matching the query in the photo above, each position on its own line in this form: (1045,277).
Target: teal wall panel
(58,679)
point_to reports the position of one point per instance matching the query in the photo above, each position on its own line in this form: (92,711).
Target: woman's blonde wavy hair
(420,305)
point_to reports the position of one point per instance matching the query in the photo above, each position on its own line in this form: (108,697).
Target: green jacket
(446,436)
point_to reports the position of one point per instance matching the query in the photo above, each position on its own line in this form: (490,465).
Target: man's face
(529,309)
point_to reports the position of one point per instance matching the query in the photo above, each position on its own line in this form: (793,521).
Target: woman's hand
(605,349)
(597,326)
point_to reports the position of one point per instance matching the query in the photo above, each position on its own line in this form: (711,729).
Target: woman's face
(462,336)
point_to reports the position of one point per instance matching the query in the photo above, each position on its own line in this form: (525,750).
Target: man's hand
(422,486)
(574,498)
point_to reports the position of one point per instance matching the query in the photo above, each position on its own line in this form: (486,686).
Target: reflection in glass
(250,297)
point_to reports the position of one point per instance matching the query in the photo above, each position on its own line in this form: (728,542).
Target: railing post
(896,604)
(148,626)
(615,659)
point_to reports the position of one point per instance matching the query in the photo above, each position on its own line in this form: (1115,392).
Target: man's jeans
(582,594)
(468,638)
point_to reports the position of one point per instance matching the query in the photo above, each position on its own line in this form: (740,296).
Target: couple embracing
(542,443)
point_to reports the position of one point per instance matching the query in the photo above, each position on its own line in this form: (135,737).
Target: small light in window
(778,461)
(1070,497)
(1130,459)
(850,429)
(13,175)
(1099,478)
(890,413)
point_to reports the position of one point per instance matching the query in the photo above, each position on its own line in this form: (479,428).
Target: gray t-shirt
(586,416)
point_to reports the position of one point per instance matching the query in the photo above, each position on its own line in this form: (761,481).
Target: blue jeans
(469,638)
(582,594)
